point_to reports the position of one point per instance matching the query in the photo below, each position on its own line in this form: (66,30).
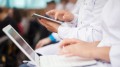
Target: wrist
(48,39)
(56,27)
(92,52)
(101,53)
(74,19)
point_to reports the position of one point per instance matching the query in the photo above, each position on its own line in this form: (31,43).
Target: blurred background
(18,14)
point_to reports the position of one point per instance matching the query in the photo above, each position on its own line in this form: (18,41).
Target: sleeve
(55,37)
(115,56)
(69,32)
(73,23)
(75,12)
(53,40)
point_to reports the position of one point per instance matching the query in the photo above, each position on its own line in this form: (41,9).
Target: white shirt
(85,25)
(111,30)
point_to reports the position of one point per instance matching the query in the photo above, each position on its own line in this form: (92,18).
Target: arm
(68,32)
(101,53)
(43,42)
(84,49)
(66,16)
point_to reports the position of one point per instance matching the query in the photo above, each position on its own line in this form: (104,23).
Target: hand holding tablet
(46,18)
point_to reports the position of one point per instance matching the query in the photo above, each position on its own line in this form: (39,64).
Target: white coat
(85,25)
(111,33)
(88,27)
(111,30)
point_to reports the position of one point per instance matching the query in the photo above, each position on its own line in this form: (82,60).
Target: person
(97,7)
(5,20)
(83,24)
(54,38)
(7,50)
(40,32)
(107,50)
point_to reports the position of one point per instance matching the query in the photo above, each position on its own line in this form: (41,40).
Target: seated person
(105,52)
(82,24)
(54,38)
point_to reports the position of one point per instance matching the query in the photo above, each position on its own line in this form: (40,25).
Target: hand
(61,15)
(43,42)
(51,26)
(78,49)
(67,42)
(74,47)
(86,50)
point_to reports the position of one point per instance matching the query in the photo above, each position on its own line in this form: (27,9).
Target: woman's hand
(43,42)
(51,26)
(73,47)
(77,48)
(67,42)
(61,15)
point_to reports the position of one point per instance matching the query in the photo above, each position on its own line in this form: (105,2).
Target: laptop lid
(21,44)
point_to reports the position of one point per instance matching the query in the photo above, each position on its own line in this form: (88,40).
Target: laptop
(44,61)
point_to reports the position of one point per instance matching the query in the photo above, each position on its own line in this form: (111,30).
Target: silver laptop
(44,61)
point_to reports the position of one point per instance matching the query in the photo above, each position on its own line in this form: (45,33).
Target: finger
(38,45)
(51,13)
(59,15)
(66,42)
(63,52)
(66,18)
(43,22)
(66,50)
(56,15)
(40,21)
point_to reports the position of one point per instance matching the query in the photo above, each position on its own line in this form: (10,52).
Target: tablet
(46,18)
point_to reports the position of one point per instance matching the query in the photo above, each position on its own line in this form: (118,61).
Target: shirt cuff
(75,19)
(56,36)
(67,32)
(115,55)
(52,38)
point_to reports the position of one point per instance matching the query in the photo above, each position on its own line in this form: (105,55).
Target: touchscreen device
(46,18)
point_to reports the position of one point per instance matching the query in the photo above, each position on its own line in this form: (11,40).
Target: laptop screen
(22,43)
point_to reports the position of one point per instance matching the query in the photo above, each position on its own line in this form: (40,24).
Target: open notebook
(44,61)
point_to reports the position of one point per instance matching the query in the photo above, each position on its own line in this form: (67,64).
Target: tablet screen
(46,17)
